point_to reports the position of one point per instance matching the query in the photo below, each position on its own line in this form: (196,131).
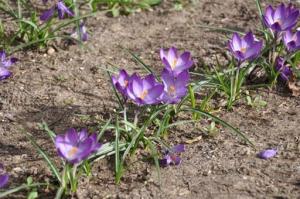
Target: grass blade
(52,166)
(216,119)
(17,189)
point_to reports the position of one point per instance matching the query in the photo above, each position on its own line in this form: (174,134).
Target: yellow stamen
(144,94)
(125,83)
(73,151)
(172,90)
(173,65)
(243,50)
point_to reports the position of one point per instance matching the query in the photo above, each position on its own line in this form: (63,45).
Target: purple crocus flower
(284,71)
(171,156)
(174,62)
(5,63)
(246,48)
(121,82)
(282,18)
(174,87)
(83,33)
(61,10)
(75,147)
(268,153)
(291,41)
(3,177)
(144,90)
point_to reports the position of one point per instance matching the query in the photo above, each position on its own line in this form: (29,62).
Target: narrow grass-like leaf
(50,133)
(146,67)
(154,154)
(52,166)
(118,162)
(227,30)
(104,128)
(222,122)
(24,186)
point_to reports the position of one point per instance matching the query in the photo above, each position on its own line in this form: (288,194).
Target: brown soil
(63,87)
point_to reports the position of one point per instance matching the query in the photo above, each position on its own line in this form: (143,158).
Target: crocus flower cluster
(5,63)
(61,9)
(245,48)
(76,146)
(147,90)
(3,177)
(171,156)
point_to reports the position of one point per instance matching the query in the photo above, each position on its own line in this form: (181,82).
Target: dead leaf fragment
(196,139)
(292,85)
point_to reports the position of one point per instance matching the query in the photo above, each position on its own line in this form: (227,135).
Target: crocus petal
(83,134)
(249,38)
(172,54)
(178,148)
(236,42)
(4,73)
(266,154)
(2,56)
(62,9)
(9,62)
(3,180)
(71,136)
(153,94)
(176,160)
(254,51)
(47,14)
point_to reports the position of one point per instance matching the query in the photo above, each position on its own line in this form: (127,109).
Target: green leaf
(17,189)
(52,166)
(222,122)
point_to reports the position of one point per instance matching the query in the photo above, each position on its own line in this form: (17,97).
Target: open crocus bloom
(291,41)
(174,87)
(176,63)
(282,18)
(5,63)
(75,147)
(171,156)
(144,90)
(3,177)
(246,48)
(284,71)
(61,9)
